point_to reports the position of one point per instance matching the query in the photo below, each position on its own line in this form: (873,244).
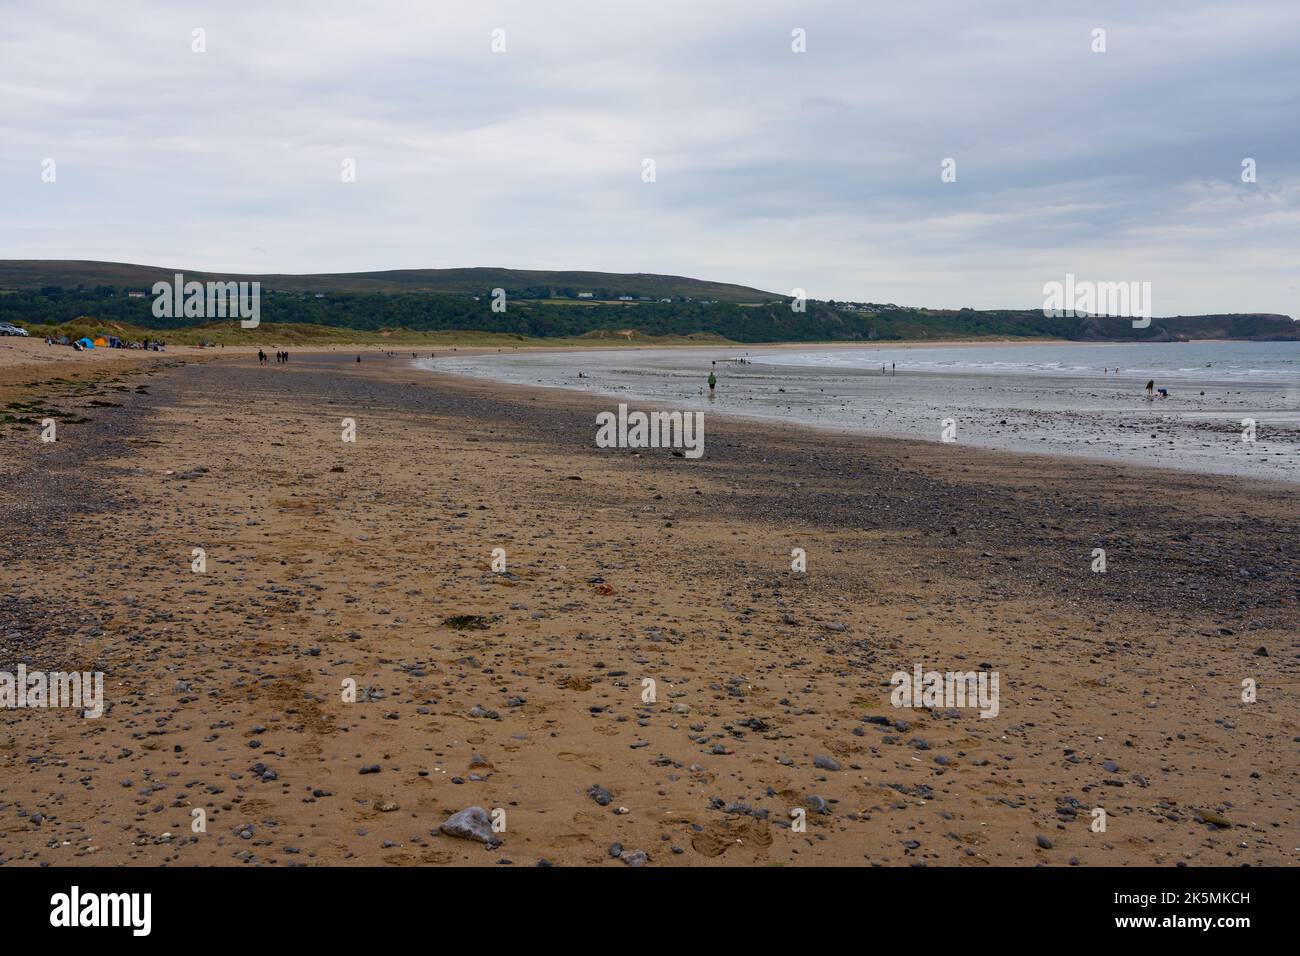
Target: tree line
(771,322)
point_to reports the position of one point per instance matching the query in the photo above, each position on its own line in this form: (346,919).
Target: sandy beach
(771,738)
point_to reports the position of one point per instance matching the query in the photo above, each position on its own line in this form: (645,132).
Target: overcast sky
(819,170)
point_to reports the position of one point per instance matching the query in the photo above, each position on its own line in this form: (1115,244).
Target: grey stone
(471,823)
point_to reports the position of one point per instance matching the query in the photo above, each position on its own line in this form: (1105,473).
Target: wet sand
(1039,398)
(330,561)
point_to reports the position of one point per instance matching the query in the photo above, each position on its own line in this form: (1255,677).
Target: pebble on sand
(471,823)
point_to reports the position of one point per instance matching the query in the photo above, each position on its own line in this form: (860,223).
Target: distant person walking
(713,384)
(1151,384)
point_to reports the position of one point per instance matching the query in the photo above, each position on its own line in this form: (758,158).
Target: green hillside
(33,298)
(35,274)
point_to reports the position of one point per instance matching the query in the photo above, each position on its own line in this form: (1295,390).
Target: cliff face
(1259,327)
(1094,331)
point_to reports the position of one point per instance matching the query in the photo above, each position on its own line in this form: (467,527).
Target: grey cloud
(775,169)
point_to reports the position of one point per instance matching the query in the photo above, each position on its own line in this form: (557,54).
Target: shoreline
(600,402)
(1061,413)
(26,379)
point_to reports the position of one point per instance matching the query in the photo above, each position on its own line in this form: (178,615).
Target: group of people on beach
(892,369)
(263,359)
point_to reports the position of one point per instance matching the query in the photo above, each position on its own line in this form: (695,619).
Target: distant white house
(584,295)
(626,298)
(135,295)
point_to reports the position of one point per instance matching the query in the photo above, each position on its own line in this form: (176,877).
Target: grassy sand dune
(287,334)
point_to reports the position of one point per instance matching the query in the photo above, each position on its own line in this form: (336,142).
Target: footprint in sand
(717,838)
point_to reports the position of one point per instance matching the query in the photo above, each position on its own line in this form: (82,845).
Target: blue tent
(86,343)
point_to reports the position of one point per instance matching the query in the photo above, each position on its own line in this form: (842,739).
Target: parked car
(7,329)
